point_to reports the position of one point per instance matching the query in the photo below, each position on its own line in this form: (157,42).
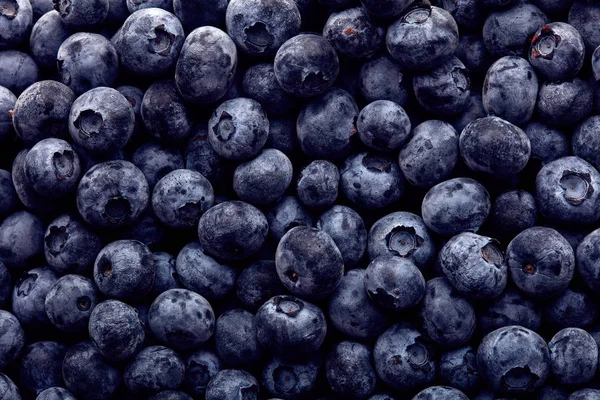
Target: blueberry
(235,338)
(170,395)
(285,215)
(318,184)
(21,239)
(507,31)
(70,302)
(149,41)
(181,319)
(55,393)
(422,37)
(260,27)
(430,154)
(448,318)
(261,85)
(230,384)
(371,180)
(12,340)
(349,371)
(458,368)
(375,80)
(47,35)
(88,375)
(348,231)
(583,16)
(586,142)
(510,89)
(117,12)
(8,388)
(7,103)
(573,308)
(41,364)
(472,52)
(570,107)
(15,23)
(510,308)
(383,125)
(291,328)
(232,230)
(566,191)
(165,114)
(154,369)
(82,14)
(17,71)
(455,205)
(197,13)
(352,312)
(306,65)
(291,380)
(166,276)
(573,356)
(404,358)
(513,360)
(353,33)
(199,272)
(585,394)
(468,14)
(326,125)
(200,367)
(206,66)
(547,143)
(308,262)
(86,61)
(200,156)
(69,245)
(513,212)
(557,51)
(587,255)
(42,111)
(156,160)
(440,393)
(257,283)
(112,194)
(238,129)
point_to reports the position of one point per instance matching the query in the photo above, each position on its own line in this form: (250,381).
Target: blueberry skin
(513,360)
(232,383)
(573,308)
(352,312)
(564,103)
(260,84)
(586,141)
(326,125)
(70,302)
(549,392)
(455,206)
(596,64)
(47,35)
(31,199)
(394,283)
(402,234)
(86,61)
(468,14)
(42,111)
(573,356)
(566,191)
(200,156)
(583,16)
(21,239)
(353,33)
(18,71)
(306,65)
(12,340)
(472,52)
(291,328)
(383,125)
(260,27)
(510,90)
(404,358)
(585,394)
(448,318)
(257,283)
(285,215)
(349,371)
(235,338)
(81,15)
(7,103)
(197,13)
(422,38)
(587,256)
(166,276)
(206,66)
(375,79)
(440,393)
(181,319)
(200,273)
(147,229)
(69,245)
(445,89)
(238,129)
(5,288)
(386,8)
(112,194)
(475,265)
(8,388)
(458,368)
(15,24)
(154,369)
(40,367)
(149,41)
(55,393)
(473,110)
(430,154)
(137,5)
(371,180)
(291,380)
(507,31)
(171,395)
(87,375)
(116,330)
(348,231)
(547,143)
(200,367)
(308,262)
(217,235)
(553,62)
(264,179)
(510,308)
(165,114)
(318,184)
(156,160)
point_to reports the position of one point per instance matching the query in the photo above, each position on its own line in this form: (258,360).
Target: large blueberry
(347,229)
(70,302)
(165,113)
(375,77)
(349,370)
(12,340)
(21,239)
(573,356)
(29,295)
(458,368)
(557,51)
(291,380)
(154,369)
(353,33)
(235,338)
(40,367)
(231,384)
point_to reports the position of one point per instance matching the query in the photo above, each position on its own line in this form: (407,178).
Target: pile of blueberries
(299,199)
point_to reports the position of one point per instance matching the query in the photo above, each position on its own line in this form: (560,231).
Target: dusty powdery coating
(82,14)
(70,303)
(21,239)
(154,369)
(12,339)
